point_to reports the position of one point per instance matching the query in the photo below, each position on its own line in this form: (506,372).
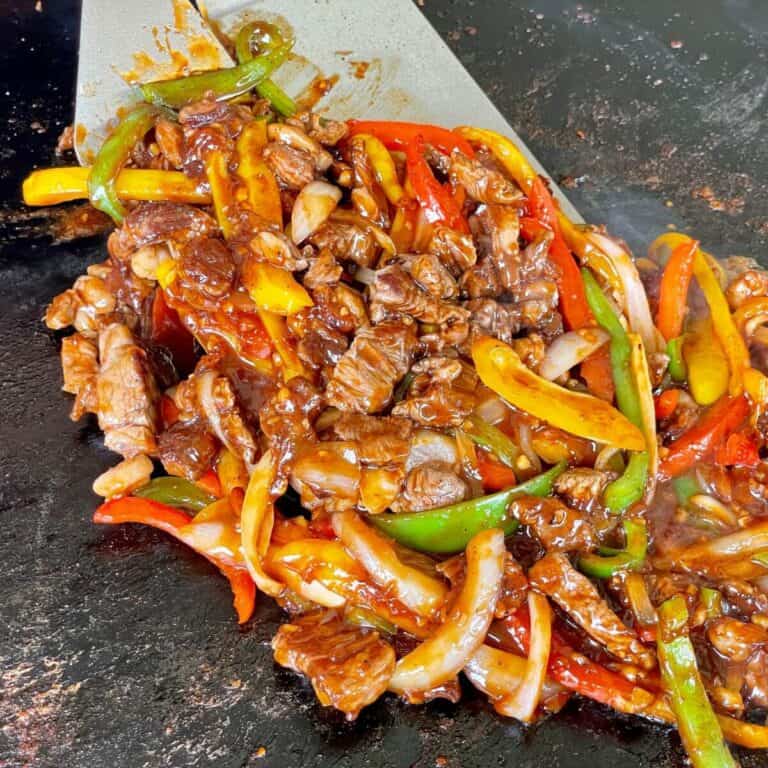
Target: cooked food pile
(392,386)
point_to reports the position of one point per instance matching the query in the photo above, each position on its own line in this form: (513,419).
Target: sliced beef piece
(441,393)
(745,598)
(229,422)
(430,274)
(347,242)
(320,346)
(367,196)
(156,222)
(349,667)
(431,485)
(736,640)
(323,270)
(253,242)
(482,282)
(558,527)
(286,420)
(483,184)
(206,266)
(514,588)
(492,318)
(394,292)
(90,305)
(756,679)
(80,366)
(367,373)
(455,250)
(61,311)
(531,349)
(746,281)
(127,394)
(322,129)
(170,138)
(497,229)
(187,449)
(341,306)
(381,440)
(295,137)
(555,577)
(581,487)
(294,168)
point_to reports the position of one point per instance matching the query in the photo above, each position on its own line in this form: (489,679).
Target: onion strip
(523,702)
(570,349)
(256,521)
(447,651)
(640,373)
(414,588)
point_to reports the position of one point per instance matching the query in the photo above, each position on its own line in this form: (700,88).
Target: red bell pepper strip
(168,331)
(577,672)
(543,215)
(495,476)
(701,440)
(673,291)
(133,509)
(209,482)
(438,203)
(666,403)
(597,373)
(740,450)
(396,134)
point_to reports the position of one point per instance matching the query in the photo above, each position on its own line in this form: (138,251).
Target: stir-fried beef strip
(348,667)
(554,576)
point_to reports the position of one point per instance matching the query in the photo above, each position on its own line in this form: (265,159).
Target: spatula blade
(383,59)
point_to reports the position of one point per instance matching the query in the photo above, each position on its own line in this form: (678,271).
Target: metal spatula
(384,57)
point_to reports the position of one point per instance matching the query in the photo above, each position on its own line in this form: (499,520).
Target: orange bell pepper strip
(132,509)
(541,207)
(50,186)
(666,403)
(597,372)
(673,291)
(739,450)
(700,441)
(209,482)
(495,476)
(500,369)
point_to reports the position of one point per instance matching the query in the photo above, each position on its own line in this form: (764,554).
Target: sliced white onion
(636,305)
(365,276)
(204,391)
(421,593)
(256,520)
(492,409)
(453,643)
(313,205)
(570,349)
(525,441)
(523,702)
(427,445)
(604,458)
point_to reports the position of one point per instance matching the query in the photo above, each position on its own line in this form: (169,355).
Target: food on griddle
(448,430)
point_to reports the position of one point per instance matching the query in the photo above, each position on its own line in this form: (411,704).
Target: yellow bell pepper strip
(223,83)
(51,186)
(608,563)
(383,167)
(111,157)
(217,173)
(403,230)
(256,175)
(542,208)
(449,529)
(502,370)
(706,363)
(673,291)
(278,334)
(749,735)
(267,38)
(696,722)
(275,290)
(176,492)
(725,328)
(677,369)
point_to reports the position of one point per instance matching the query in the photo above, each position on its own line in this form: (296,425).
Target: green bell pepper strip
(712,602)
(223,83)
(632,556)
(492,439)
(270,39)
(685,486)
(112,157)
(677,368)
(696,721)
(176,492)
(449,529)
(628,488)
